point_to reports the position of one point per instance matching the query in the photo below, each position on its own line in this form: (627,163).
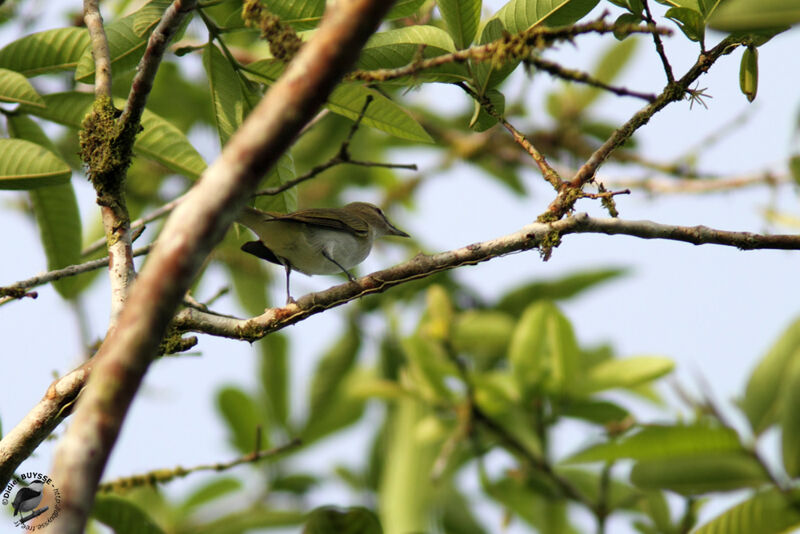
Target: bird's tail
(252,218)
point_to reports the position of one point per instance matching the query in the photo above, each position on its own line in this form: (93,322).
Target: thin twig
(138,223)
(72,270)
(341,157)
(533,37)
(699,186)
(548,173)
(582,77)
(565,200)
(659,44)
(161,476)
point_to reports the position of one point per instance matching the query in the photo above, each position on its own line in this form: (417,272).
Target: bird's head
(375,218)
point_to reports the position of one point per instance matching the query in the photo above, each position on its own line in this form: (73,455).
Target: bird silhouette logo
(27,499)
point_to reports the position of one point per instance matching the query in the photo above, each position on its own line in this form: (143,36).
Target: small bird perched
(317,241)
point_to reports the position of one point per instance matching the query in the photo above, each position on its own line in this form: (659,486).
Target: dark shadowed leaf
(332,520)
(123,516)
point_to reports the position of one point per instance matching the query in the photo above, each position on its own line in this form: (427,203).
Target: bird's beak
(393,230)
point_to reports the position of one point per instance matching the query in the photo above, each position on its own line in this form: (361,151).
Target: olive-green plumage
(317,241)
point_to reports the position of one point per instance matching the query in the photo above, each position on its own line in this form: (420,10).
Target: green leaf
(404,8)
(748,73)
(613,61)
(767,512)
(482,333)
(488,74)
(26,165)
(123,516)
(790,422)
(755,15)
(243,418)
(146,17)
(656,442)
(405,491)
(16,89)
(210,491)
(458,515)
(280,174)
(594,411)
(255,518)
(300,14)
(333,520)
(159,139)
(399,47)
(383,113)
(226,93)
(274,373)
(545,514)
(344,409)
(794,168)
(497,395)
(544,353)
(761,403)
(56,211)
(297,484)
(462,18)
(689,21)
(618,494)
(348,100)
(516,300)
(125,47)
(625,18)
(701,473)
(428,368)
(332,369)
(481,120)
(519,15)
(45,52)
(626,373)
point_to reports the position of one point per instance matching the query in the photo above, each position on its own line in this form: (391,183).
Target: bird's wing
(327,218)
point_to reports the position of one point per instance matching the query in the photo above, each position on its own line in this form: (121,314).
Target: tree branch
(548,173)
(100,52)
(536,36)
(193,229)
(541,235)
(565,200)
(58,274)
(162,476)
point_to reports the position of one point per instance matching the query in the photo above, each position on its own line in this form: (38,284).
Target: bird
(28,498)
(319,240)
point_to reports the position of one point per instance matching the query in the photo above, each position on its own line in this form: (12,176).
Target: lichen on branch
(283,40)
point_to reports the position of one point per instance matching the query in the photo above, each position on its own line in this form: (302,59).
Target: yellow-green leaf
(159,139)
(45,52)
(26,165)
(14,87)
(56,210)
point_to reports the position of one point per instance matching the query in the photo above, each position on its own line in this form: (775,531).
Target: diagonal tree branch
(536,235)
(190,233)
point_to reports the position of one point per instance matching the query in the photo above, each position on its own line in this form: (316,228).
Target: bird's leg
(345,271)
(288,267)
